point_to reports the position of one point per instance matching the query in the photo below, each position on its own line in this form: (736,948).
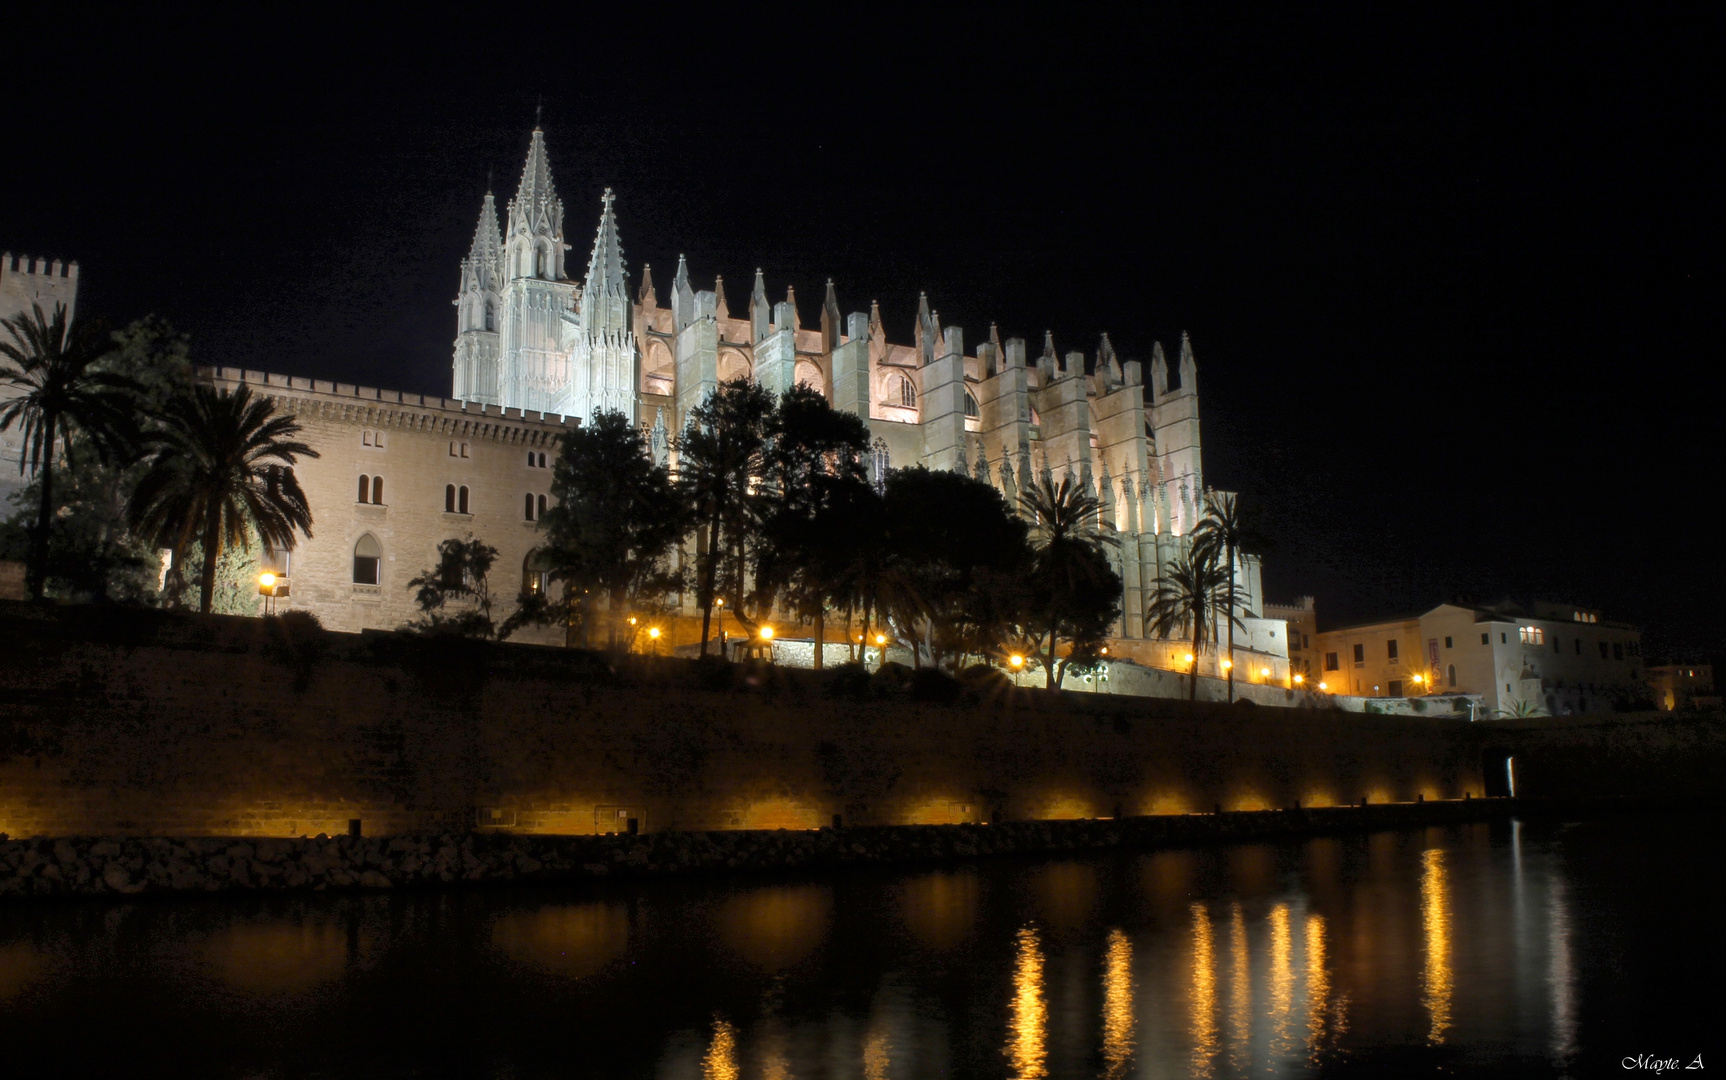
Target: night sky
(1451,275)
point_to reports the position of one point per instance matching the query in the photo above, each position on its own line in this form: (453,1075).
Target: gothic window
(461,499)
(527,507)
(972,412)
(490,315)
(907,393)
(365,489)
(367,557)
(449,499)
(377,491)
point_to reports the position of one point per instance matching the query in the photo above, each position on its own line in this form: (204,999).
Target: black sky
(1451,274)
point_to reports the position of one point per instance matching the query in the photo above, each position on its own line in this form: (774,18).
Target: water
(1526,949)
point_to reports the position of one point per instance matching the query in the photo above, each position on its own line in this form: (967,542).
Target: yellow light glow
(1028,1024)
(1324,686)
(1264,673)
(1105,650)
(1282,984)
(880,639)
(1189,658)
(1240,1016)
(1226,664)
(1317,983)
(632,620)
(266,579)
(1299,679)
(1118,1006)
(1418,679)
(767,633)
(1203,996)
(1435,917)
(1016,660)
(653,632)
(719,602)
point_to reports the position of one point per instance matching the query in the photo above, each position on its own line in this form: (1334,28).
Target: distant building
(1302,619)
(1557,658)
(1682,686)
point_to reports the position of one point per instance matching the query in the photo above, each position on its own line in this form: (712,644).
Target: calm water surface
(1525,949)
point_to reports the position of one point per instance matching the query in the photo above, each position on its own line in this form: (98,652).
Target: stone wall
(148,724)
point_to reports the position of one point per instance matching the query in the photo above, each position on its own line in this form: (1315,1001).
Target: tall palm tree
(54,369)
(1066,534)
(1223,530)
(1188,595)
(225,468)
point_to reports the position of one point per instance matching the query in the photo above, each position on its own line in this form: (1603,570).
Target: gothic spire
(830,320)
(721,309)
(535,231)
(605,267)
(487,241)
(760,311)
(645,295)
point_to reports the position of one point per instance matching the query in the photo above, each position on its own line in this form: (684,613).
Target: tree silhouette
(55,368)
(1073,572)
(1224,530)
(1188,595)
(721,457)
(223,469)
(617,518)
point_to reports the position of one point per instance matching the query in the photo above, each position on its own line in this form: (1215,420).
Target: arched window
(365,438)
(461,499)
(490,315)
(377,491)
(1451,675)
(907,392)
(378,439)
(542,461)
(971,409)
(365,488)
(368,557)
(541,502)
(449,499)
(527,507)
(530,459)
(452,449)
(535,574)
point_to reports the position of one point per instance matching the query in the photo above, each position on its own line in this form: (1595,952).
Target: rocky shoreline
(44,868)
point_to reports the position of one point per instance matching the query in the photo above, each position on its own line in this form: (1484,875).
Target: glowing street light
(1016,661)
(1228,664)
(1264,673)
(653,632)
(767,633)
(1299,679)
(1324,686)
(267,579)
(1189,658)
(880,639)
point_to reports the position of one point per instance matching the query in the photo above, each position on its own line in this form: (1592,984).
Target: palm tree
(1066,536)
(55,370)
(1189,593)
(225,468)
(1223,530)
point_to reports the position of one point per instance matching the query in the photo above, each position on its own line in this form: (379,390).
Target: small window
(527,507)
(971,409)
(365,489)
(367,557)
(542,459)
(464,449)
(1504,637)
(541,501)
(1557,646)
(452,449)
(535,574)
(1396,688)
(1390,651)
(378,439)
(530,459)
(449,499)
(1484,640)
(1578,646)
(461,499)
(377,491)
(1330,662)
(1447,642)
(365,438)
(1360,654)
(1305,641)
(1603,650)
(1450,676)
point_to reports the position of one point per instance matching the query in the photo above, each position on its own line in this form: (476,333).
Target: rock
(527,864)
(105,849)
(372,879)
(65,853)
(115,877)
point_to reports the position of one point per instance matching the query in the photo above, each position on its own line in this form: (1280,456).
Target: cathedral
(537,352)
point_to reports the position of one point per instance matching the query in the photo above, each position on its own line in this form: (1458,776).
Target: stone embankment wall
(146,724)
(1676,757)
(128,865)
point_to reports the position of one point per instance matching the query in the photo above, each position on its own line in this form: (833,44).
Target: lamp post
(653,636)
(271,588)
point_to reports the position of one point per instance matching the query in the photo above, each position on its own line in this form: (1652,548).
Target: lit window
(1531,635)
(367,557)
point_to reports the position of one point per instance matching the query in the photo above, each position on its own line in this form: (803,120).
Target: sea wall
(95,866)
(147,724)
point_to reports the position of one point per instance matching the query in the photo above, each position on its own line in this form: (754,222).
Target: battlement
(23,264)
(273,384)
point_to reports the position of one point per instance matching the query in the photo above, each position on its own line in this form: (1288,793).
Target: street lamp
(880,639)
(653,635)
(1016,661)
(766,633)
(1324,686)
(1264,673)
(1298,679)
(1227,664)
